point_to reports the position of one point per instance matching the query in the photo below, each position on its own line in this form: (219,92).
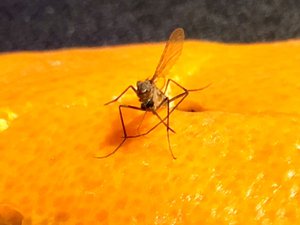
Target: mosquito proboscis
(153,98)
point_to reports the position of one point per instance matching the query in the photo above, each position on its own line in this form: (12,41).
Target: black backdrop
(51,24)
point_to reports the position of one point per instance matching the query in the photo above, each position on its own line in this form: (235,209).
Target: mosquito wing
(170,54)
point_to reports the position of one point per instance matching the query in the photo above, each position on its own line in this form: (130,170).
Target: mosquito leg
(124,130)
(190,90)
(137,108)
(113,152)
(159,119)
(167,85)
(138,128)
(168,134)
(162,121)
(182,96)
(117,98)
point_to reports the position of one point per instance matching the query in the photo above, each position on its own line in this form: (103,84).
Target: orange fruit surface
(237,142)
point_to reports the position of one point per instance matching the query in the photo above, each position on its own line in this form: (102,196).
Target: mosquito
(153,98)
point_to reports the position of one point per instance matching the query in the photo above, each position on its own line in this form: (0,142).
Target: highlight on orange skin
(237,160)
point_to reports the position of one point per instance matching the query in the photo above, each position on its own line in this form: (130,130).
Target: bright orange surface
(238,155)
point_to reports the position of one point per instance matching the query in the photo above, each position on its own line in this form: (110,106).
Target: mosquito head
(144,90)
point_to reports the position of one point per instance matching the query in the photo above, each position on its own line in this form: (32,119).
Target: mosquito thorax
(144,88)
(144,92)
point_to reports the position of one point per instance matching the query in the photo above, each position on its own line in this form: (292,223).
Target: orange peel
(238,152)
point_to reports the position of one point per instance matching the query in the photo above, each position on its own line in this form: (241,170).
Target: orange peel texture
(237,142)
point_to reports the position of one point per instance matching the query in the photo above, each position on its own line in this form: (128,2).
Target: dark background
(51,24)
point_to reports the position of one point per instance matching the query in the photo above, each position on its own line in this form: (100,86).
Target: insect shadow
(153,98)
